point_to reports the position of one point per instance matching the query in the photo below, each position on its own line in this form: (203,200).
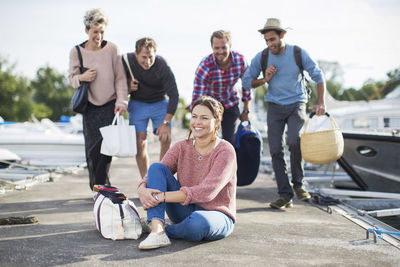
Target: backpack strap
(298,59)
(299,63)
(264,60)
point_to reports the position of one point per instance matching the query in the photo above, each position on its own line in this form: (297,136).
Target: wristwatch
(166,122)
(246,111)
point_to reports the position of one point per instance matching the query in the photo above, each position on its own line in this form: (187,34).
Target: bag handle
(313,113)
(115,118)
(333,123)
(118,120)
(241,131)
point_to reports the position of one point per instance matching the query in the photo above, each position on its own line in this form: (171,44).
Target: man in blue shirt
(287,98)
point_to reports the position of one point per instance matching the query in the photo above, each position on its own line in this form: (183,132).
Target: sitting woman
(201,201)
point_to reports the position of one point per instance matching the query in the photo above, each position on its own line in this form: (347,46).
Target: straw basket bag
(321,147)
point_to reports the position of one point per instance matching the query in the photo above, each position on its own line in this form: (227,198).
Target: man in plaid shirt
(217,75)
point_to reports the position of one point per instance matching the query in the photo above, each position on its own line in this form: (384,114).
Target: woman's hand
(146,196)
(88,76)
(120,108)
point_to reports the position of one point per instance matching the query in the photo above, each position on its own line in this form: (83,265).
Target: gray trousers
(293,116)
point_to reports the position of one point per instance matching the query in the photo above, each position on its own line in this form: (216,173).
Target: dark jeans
(293,116)
(228,123)
(97,163)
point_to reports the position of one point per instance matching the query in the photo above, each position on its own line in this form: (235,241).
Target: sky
(361,35)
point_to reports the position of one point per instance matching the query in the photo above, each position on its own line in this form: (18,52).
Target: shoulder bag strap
(80,57)
(126,61)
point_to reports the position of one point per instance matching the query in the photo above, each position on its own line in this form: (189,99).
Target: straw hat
(273,24)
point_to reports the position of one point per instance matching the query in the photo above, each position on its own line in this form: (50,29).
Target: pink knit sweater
(208,181)
(110,82)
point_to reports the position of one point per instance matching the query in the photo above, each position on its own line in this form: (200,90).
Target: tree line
(48,95)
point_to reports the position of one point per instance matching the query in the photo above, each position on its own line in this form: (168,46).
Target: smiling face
(274,42)
(96,35)
(221,49)
(146,58)
(202,123)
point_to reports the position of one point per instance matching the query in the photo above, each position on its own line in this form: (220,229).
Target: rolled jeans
(277,117)
(191,222)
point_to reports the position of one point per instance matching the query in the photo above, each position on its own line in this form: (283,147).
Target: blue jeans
(293,116)
(191,222)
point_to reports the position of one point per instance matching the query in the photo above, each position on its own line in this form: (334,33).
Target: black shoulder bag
(79,100)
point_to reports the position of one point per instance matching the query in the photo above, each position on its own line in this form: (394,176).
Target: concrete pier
(66,234)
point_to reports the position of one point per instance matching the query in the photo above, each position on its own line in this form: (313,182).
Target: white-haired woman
(108,91)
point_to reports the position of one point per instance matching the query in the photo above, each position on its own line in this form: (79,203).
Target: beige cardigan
(110,82)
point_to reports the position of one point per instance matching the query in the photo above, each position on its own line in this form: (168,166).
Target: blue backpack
(248,149)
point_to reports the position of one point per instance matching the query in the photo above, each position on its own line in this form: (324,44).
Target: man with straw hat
(286,97)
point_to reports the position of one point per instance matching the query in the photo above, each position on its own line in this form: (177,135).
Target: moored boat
(372,161)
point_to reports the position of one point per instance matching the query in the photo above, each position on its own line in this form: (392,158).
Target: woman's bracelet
(164,197)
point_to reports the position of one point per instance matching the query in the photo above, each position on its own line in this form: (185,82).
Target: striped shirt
(213,81)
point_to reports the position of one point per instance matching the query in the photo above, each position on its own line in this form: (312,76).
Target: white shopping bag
(119,138)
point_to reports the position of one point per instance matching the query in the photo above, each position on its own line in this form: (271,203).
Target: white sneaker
(155,241)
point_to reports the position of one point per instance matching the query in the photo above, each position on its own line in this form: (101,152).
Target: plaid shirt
(212,81)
